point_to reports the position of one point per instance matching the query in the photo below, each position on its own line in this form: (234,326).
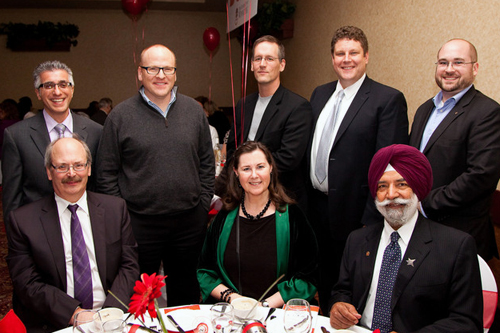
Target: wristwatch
(265,303)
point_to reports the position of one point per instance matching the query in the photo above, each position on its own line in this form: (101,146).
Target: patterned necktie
(324,146)
(382,318)
(60,128)
(81,265)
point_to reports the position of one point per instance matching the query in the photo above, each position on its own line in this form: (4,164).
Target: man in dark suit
(346,135)
(276,117)
(408,274)
(24,144)
(459,132)
(105,107)
(42,260)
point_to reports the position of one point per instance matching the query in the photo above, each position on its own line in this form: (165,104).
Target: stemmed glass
(297,317)
(84,322)
(222,317)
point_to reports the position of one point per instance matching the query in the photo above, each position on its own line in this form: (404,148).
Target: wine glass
(85,322)
(297,317)
(222,317)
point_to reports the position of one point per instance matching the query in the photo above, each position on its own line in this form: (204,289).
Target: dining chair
(490,294)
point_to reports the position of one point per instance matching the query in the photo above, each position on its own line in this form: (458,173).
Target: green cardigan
(297,254)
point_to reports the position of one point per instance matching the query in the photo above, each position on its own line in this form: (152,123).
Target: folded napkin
(11,324)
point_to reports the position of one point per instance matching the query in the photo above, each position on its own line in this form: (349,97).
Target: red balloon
(211,38)
(135,7)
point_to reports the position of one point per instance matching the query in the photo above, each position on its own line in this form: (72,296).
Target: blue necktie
(324,145)
(382,318)
(81,264)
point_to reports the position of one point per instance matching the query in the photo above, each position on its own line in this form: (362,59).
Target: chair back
(490,294)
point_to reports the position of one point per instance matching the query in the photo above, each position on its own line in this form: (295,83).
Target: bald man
(459,132)
(408,274)
(157,154)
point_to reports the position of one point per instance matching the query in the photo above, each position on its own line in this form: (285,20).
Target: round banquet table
(274,325)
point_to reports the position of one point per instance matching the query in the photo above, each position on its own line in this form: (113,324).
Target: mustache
(73,179)
(398,201)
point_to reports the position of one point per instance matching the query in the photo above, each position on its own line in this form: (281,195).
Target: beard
(397,217)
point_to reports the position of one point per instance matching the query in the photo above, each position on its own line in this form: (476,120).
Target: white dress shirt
(65,221)
(350,92)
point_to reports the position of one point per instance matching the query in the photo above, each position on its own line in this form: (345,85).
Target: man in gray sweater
(156,153)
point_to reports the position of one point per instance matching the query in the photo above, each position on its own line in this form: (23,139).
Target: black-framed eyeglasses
(454,64)
(63,168)
(156,70)
(52,85)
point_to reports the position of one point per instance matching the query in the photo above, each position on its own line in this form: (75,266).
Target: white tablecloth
(274,325)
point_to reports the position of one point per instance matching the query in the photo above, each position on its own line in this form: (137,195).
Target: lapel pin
(367,253)
(410,262)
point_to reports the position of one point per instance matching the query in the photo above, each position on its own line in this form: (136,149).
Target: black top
(258,256)
(221,124)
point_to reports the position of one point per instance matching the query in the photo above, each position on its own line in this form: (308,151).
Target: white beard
(398,217)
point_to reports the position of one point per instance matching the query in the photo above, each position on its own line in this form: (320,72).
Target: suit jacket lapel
(454,113)
(49,218)
(358,101)
(368,255)
(79,127)
(271,109)
(417,251)
(250,102)
(39,134)
(98,223)
(417,130)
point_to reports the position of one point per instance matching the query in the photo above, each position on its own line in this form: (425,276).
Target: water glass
(222,317)
(84,322)
(297,317)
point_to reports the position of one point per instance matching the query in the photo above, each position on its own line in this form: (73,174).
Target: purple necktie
(81,265)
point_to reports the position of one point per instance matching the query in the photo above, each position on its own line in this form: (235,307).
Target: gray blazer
(24,176)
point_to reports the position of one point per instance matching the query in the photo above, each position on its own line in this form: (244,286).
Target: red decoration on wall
(211,38)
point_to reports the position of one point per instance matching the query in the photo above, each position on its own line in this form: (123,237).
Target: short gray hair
(51,65)
(50,147)
(104,102)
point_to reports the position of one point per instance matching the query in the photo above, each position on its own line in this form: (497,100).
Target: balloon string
(243,79)
(134,52)
(210,79)
(231,70)
(246,54)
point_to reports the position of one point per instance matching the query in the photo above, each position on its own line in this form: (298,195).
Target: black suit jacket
(99,117)
(24,176)
(376,118)
(441,292)
(285,129)
(464,152)
(37,264)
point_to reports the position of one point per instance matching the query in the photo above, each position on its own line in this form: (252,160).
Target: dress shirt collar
(438,99)
(405,232)
(173,97)
(51,123)
(62,204)
(352,90)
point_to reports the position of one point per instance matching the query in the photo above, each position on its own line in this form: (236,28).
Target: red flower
(145,293)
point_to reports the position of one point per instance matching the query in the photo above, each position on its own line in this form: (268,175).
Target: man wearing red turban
(409,272)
